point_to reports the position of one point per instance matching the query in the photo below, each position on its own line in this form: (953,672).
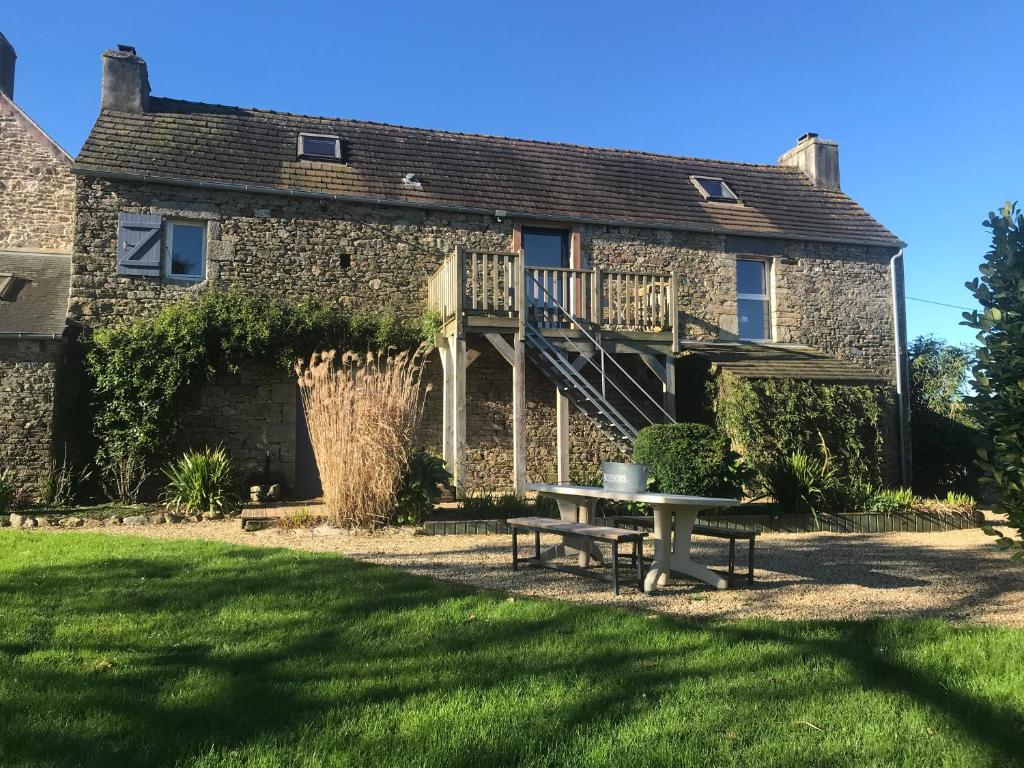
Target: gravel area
(956,575)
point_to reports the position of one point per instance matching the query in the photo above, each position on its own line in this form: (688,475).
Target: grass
(126,651)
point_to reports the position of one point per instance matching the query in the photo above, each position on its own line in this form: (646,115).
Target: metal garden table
(673,525)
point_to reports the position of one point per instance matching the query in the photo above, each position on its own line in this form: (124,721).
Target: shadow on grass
(125,651)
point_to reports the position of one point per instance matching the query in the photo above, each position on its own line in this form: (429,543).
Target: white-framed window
(753,305)
(185,250)
(714,190)
(319,146)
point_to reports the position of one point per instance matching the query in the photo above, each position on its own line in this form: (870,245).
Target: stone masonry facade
(833,297)
(37,189)
(29,373)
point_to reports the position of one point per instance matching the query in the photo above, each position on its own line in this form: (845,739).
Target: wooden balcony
(476,292)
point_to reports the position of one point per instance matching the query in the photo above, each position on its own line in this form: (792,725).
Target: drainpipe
(896,278)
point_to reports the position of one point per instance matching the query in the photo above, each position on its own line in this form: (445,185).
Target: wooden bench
(579,535)
(642,521)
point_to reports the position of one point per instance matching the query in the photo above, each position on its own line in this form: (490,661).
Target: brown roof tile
(192,141)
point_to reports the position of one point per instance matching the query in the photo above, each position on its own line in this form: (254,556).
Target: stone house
(563,275)
(37,192)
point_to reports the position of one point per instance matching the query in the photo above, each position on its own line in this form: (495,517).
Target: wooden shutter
(138,244)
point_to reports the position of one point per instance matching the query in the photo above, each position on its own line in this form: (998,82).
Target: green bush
(202,481)
(771,419)
(690,459)
(799,483)
(8,490)
(487,507)
(892,500)
(142,372)
(419,491)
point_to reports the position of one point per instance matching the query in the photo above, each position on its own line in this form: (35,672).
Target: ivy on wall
(141,373)
(770,419)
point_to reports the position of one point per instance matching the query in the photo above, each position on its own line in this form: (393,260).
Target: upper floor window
(185,250)
(713,189)
(752,302)
(545,247)
(317,146)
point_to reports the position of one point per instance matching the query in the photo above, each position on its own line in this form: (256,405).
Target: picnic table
(674,517)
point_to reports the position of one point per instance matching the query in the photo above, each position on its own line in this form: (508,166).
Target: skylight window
(715,190)
(316,146)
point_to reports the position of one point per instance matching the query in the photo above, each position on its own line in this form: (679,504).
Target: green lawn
(122,651)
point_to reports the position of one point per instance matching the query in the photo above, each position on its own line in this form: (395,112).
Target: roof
(782,361)
(192,142)
(37,301)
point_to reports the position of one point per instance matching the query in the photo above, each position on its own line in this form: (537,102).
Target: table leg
(681,561)
(657,574)
(573,512)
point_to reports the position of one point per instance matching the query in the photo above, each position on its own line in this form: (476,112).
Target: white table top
(667,499)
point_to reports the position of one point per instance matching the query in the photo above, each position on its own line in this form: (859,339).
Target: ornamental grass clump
(361,411)
(202,481)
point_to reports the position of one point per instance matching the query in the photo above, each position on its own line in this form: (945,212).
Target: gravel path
(956,575)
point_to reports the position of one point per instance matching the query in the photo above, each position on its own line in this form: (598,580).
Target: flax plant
(361,411)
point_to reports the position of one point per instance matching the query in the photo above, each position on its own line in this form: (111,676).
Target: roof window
(714,190)
(8,283)
(317,146)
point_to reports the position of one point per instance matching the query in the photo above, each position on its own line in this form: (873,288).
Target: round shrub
(689,459)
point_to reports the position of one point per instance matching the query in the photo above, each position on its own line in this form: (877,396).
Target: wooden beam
(670,386)
(504,348)
(562,420)
(655,365)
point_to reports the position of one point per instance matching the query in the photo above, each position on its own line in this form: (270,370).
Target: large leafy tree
(944,435)
(998,369)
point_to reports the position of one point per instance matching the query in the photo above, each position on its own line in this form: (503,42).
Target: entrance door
(545,249)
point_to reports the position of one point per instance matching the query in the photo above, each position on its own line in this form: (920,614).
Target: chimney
(125,81)
(818,158)
(7,59)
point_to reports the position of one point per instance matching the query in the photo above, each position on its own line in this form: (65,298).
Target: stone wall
(37,190)
(251,413)
(28,379)
(376,257)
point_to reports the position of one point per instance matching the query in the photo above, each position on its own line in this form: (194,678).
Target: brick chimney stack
(7,59)
(125,81)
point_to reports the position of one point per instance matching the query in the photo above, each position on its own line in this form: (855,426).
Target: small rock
(170,517)
(113,520)
(256,493)
(212,516)
(70,522)
(135,520)
(274,492)
(156,519)
(18,521)
(30,522)
(91,522)
(253,525)
(4,522)
(193,518)
(42,522)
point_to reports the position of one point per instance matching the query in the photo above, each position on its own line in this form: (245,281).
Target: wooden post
(458,415)
(562,420)
(595,298)
(673,309)
(519,381)
(448,398)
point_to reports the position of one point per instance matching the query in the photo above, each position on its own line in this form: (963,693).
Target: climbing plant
(142,372)
(771,419)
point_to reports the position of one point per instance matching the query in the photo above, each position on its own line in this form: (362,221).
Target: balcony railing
(483,283)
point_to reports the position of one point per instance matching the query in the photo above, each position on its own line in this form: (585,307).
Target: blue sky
(923,98)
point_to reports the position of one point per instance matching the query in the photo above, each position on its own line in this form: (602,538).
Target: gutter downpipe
(900,344)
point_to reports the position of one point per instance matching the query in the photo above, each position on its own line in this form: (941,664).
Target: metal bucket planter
(621,476)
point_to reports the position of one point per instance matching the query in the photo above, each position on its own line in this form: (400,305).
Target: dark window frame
(730,195)
(564,233)
(304,154)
